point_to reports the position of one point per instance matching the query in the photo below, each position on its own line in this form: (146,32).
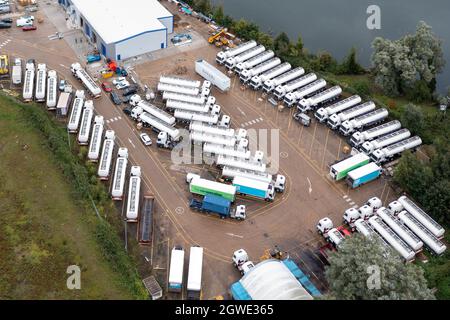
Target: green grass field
(44,228)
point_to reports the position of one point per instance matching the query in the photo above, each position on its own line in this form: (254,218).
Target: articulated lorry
(282,90)
(246,75)
(190,116)
(165,87)
(340,169)
(305,91)
(187,106)
(194,282)
(374,117)
(226,151)
(77,110)
(319,99)
(254,188)
(358,138)
(182,97)
(134,194)
(180,81)
(119,174)
(370,146)
(213,75)
(212,129)
(81,74)
(203,187)
(249,64)
(85,126)
(104,167)
(41,81)
(363,175)
(204,137)
(322,114)
(52,90)
(256,82)
(388,153)
(96,139)
(222,56)
(159,125)
(228,174)
(145,222)
(28,83)
(271,84)
(335,120)
(176,270)
(241,163)
(232,62)
(16,73)
(218,205)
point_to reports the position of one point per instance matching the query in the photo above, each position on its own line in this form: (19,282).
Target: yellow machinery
(4,66)
(274,253)
(216,36)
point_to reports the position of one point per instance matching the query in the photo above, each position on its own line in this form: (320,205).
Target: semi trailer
(52,90)
(16,73)
(187,106)
(77,110)
(158,125)
(226,151)
(145,221)
(119,174)
(283,89)
(249,64)
(247,74)
(232,62)
(28,83)
(340,169)
(180,81)
(241,163)
(134,194)
(104,167)
(203,137)
(319,99)
(254,188)
(228,173)
(156,112)
(176,270)
(322,114)
(85,126)
(388,153)
(222,56)
(363,175)
(189,116)
(212,129)
(271,84)
(218,205)
(81,74)
(358,138)
(194,282)
(374,117)
(165,87)
(63,105)
(370,146)
(336,119)
(292,97)
(202,187)
(213,75)
(41,81)
(256,82)
(173,96)
(96,139)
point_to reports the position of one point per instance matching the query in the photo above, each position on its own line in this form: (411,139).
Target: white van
(24,22)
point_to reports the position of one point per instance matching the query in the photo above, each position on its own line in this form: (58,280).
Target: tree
(204,6)
(363,269)
(266,40)
(362,87)
(413,119)
(281,44)
(437,200)
(350,64)
(218,14)
(419,92)
(299,45)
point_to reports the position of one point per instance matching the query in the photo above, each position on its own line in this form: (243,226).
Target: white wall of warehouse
(141,44)
(168,23)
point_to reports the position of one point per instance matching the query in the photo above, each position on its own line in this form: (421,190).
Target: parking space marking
(352,203)
(348,199)
(248,123)
(345,196)
(355,206)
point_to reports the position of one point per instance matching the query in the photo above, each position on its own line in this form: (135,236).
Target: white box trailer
(322,114)
(212,129)
(231,62)
(104,167)
(222,56)
(16,73)
(319,99)
(134,194)
(81,74)
(257,81)
(28,83)
(189,116)
(180,81)
(77,110)
(229,173)
(247,74)
(232,162)
(271,84)
(173,96)
(383,155)
(260,58)
(41,81)
(187,106)
(212,74)
(368,119)
(392,238)
(163,87)
(52,90)
(359,137)
(226,151)
(370,146)
(119,174)
(336,119)
(176,270)
(64,100)
(436,229)
(203,137)
(85,126)
(96,139)
(194,283)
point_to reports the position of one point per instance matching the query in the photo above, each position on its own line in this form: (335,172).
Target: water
(337,25)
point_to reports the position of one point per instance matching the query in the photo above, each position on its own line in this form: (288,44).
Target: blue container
(250,191)
(362,175)
(216,204)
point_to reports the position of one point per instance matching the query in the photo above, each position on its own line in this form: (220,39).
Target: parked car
(62,84)
(7,20)
(118,80)
(115,98)
(106,86)
(5,25)
(126,99)
(146,140)
(127,111)
(93,58)
(24,22)
(122,85)
(129,91)
(29,28)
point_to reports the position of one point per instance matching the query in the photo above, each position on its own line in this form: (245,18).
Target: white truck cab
(280,183)
(395,207)
(239,213)
(375,203)
(350,216)
(190,176)
(225,121)
(164,140)
(366,211)
(242,262)
(135,99)
(246,267)
(324,226)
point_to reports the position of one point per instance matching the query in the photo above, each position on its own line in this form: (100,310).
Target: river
(337,25)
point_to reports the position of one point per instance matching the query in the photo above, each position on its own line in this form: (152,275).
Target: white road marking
(107,121)
(348,199)
(115,119)
(120,118)
(352,203)
(132,143)
(63,66)
(355,206)
(310,185)
(240,110)
(345,196)
(234,235)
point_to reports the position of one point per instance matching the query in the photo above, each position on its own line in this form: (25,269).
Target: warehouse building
(121,30)
(274,280)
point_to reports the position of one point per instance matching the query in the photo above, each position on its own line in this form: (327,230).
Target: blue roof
(238,292)
(303,278)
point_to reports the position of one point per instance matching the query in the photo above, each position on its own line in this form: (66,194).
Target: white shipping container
(212,74)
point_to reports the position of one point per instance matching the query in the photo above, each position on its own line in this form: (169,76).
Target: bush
(362,87)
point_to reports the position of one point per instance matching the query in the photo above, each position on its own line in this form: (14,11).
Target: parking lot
(304,156)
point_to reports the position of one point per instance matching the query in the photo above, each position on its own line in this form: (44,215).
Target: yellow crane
(216,36)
